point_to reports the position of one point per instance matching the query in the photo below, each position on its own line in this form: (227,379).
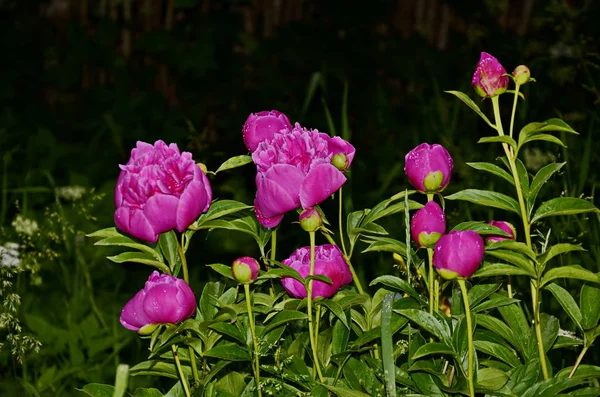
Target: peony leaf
(503,353)
(493,169)
(104,233)
(222,269)
(573,271)
(542,176)
(229,330)
(563,206)
(438,328)
(343,392)
(469,102)
(491,378)
(159,368)
(139,257)
(499,139)
(219,209)
(567,302)
(558,249)
(121,240)
(432,348)
(500,269)
(487,198)
(228,351)
(168,245)
(98,390)
(283,317)
(397,284)
(589,300)
(481,228)
(234,162)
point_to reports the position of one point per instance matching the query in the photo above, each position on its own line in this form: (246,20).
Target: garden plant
(461,315)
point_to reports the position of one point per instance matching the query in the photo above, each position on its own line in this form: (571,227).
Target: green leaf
(336,309)
(523,177)
(158,368)
(124,241)
(340,336)
(523,377)
(387,346)
(567,302)
(496,302)
(396,284)
(541,137)
(573,271)
(481,228)
(542,176)
(584,371)
(491,378)
(234,162)
(219,209)
(487,198)
(283,317)
(563,206)
(105,233)
(121,378)
(388,207)
(513,246)
(500,269)
(352,224)
(342,392)
(550,327)
(143,392)
(222,269)
(515,318)
(513,258)
(503,353)
(429,323)
(590,305)
(533,130)
(432,348)
(469,102)
(98,390)
(169,246)
(139,257)
(479,292)
(232,383)
(228,351)
(493,169)
(558,249)
(499,139)
(208,300)
(229,330)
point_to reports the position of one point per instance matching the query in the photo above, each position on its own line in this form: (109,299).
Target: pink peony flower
(262,126)
(428,167)
(329,261)
(458,254)
(428,224)
(488,79)
(294,169)
(159,189)
(505,226)
(164,299)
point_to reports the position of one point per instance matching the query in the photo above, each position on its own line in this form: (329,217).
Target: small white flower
(25,226)
(567,334)
(9,255)
(70,193)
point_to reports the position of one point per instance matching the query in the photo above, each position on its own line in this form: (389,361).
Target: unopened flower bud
(310,220)
(521,74)
(504,226)
(428,167)
(340,161)
(428,225)
(489,78)
(458,254)
(245,269)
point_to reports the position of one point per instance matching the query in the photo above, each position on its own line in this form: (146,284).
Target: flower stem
(579,358)
(431,299)
(311,332)
(181,248)
(182,378)
(184,268)
(254,340)
(273,253)
(535,303)
(465,296)
(341,222)
(514,109)
(354,276)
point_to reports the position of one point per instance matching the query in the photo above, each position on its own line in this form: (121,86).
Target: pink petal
(161,211)
(135,223)
(191,203)
(320,183)
(278,190)
(133,316)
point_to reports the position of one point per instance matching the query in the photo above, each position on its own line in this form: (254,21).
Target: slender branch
(354,276)
(341,222)
(256,365)
(182,378)
(465,296)
(311,331)
(579,358)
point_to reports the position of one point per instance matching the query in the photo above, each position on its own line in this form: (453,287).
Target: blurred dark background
(82,80)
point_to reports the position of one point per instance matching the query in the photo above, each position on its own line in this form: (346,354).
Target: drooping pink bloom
(428,224)
(294,169)
(164,299)
(488,79)
(505,226)
(329,261)
(159,189)
(458,254)
(262,126)
(428,167)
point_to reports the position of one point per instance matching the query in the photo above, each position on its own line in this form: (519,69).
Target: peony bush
(454,320)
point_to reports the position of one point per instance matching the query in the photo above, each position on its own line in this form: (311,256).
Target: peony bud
(263,126)
(340,161)
(428,167)
(522,75)
(505,226)
(245,269)
(489,78)
(428,225)
(164,299)
(310,220)
(458,254)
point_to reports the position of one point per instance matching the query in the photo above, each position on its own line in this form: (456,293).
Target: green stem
(273,253)
(465,296)
(311,331)
(254,340)
(354,276)
(579,358)
(430,257)
(514,109)
(182,378)
(535,303)
(186,277)
(341,222)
